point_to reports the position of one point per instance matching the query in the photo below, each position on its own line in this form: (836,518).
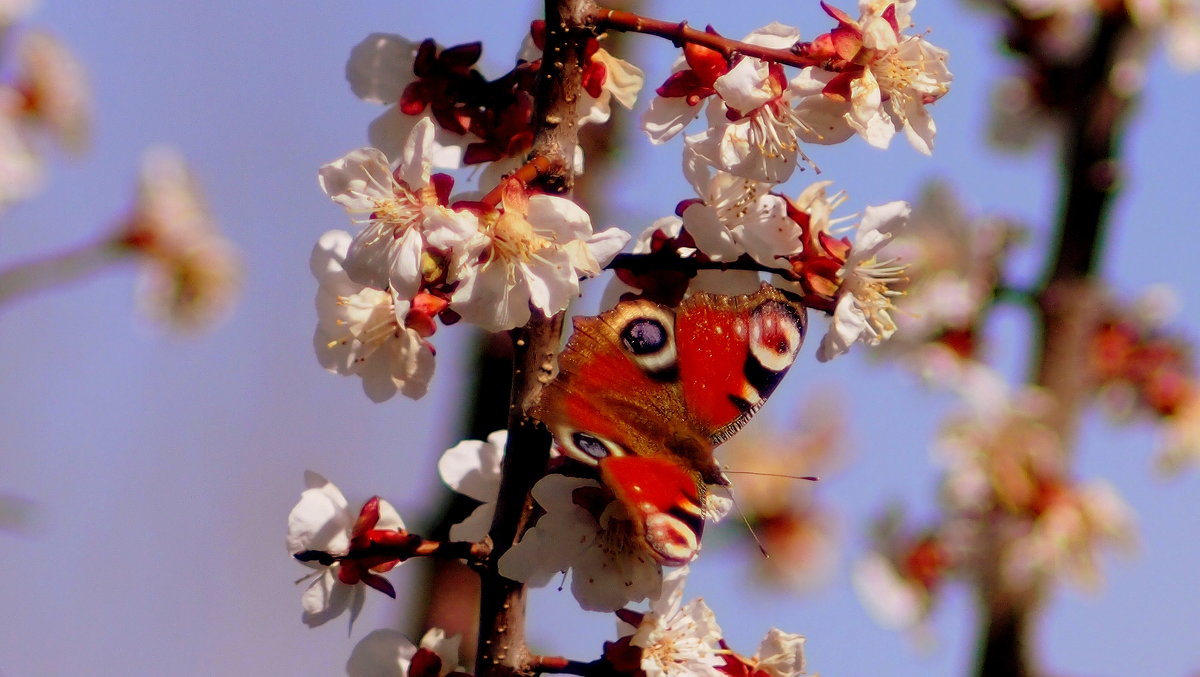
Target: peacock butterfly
(644,392)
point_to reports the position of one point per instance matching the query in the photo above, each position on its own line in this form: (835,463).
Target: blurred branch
(1069,302)
(59,269)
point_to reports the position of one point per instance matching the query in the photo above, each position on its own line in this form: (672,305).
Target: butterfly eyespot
(589,445)
(645,336)
(776,334)
(650,342)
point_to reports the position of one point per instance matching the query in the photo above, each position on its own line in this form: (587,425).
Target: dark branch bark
(502,648)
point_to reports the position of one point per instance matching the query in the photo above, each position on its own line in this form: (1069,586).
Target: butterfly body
(646,392)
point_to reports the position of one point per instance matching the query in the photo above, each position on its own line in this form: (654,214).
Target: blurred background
(152,473)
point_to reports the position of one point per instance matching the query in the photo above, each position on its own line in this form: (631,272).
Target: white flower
(322,521)
(403,212)
(888,81)
(678,640)
(532,253)
(737,215)
(622,81)
(472,468)
(610,565)
(753,128)
(388,653)
(780,654)
(379,69)
(755,133)
(864,296)
(192,273)
(361,331)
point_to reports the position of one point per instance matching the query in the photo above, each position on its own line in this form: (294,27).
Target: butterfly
(645,392)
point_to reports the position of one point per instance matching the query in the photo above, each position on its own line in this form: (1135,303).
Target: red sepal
(838,88)
(594,76)
(707,64)
(459,59)
(379,583)
(839,15)
(425,663)
(442,185)
(537,31)
(847,42)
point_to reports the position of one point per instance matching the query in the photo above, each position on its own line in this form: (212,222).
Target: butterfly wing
(617,391)
(733,352)
(645,393)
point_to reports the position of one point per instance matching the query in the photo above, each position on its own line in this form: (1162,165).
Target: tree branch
(502,650)
(680,33)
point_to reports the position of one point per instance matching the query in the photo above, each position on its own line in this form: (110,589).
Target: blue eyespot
(644,336)
(589,445)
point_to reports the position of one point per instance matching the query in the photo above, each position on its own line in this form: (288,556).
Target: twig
(680,33)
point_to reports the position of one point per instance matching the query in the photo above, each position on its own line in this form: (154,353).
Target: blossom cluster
(1005,473)
(425,253)
(422,254)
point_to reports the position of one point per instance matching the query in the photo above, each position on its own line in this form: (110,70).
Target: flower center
(513,238)
(395,216)
(369,320)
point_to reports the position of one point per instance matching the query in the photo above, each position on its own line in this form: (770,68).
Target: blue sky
(162,469)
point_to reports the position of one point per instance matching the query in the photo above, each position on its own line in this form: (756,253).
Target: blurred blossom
(1070,524)
(53,89)
(997,453)
(954,263)
(388,653)
(898,580)
(798,534)
(1144,369)
(1006,470)
(362,331)
(21,170)
(191,273)
(1181,436)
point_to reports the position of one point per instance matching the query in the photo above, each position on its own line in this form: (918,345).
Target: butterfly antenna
(738,506)
(810,478)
